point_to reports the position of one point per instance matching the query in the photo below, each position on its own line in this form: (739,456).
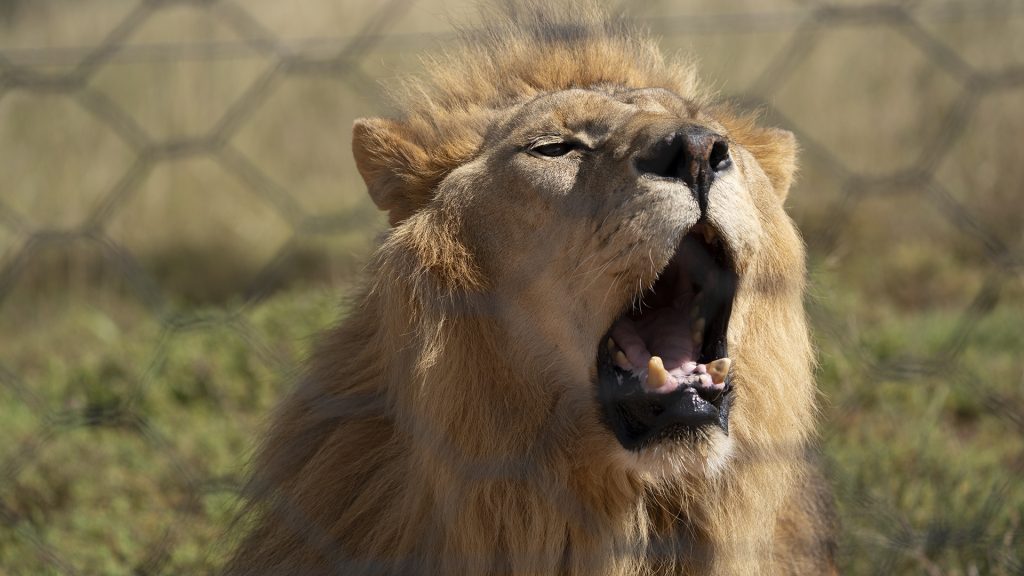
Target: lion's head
(621,226)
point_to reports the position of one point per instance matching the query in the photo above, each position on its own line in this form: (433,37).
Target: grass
(926,448)
(133,432)
(140,357)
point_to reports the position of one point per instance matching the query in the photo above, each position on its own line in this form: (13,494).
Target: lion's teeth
(621,361)
(611,345)
(657,376)
(719,369)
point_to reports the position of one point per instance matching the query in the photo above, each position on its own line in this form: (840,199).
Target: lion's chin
(680,461)
(663,370)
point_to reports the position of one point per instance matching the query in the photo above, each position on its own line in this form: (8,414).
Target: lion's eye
(553,149)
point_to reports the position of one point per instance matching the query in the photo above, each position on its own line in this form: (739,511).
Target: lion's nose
(693,154)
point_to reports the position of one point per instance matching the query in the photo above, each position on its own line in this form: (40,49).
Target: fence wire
(806,25)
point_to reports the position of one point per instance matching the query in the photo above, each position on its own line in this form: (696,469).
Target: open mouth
(663,367)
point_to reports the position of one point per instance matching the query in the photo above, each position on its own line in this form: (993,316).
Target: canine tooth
(622,361)
(698,331)
(611,345)
(657,376)
(719,369)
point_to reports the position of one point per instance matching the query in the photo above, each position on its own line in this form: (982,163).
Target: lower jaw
(674,462)
(640,419)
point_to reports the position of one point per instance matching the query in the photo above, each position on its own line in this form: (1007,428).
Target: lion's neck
(447,457)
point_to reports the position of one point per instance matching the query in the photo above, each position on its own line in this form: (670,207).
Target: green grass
(135,432)
(926,448)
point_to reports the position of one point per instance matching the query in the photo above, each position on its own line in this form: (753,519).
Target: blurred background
(179,215)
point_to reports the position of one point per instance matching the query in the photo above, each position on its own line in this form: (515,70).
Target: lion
(580,348)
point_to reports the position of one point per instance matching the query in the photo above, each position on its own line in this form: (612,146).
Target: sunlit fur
(433,434)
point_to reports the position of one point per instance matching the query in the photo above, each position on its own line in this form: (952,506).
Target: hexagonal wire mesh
(188,171)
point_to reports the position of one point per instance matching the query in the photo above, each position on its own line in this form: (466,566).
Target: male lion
(581,347)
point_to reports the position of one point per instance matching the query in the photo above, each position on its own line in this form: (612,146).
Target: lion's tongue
(659,353)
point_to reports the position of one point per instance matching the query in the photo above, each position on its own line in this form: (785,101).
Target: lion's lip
(663,367)
(639,418)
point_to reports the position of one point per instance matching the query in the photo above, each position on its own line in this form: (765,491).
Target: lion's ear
(392,165)
(775,150)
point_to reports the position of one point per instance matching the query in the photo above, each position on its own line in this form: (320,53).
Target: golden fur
(448,424)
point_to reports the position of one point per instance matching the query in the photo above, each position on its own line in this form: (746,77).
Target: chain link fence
(178,208)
